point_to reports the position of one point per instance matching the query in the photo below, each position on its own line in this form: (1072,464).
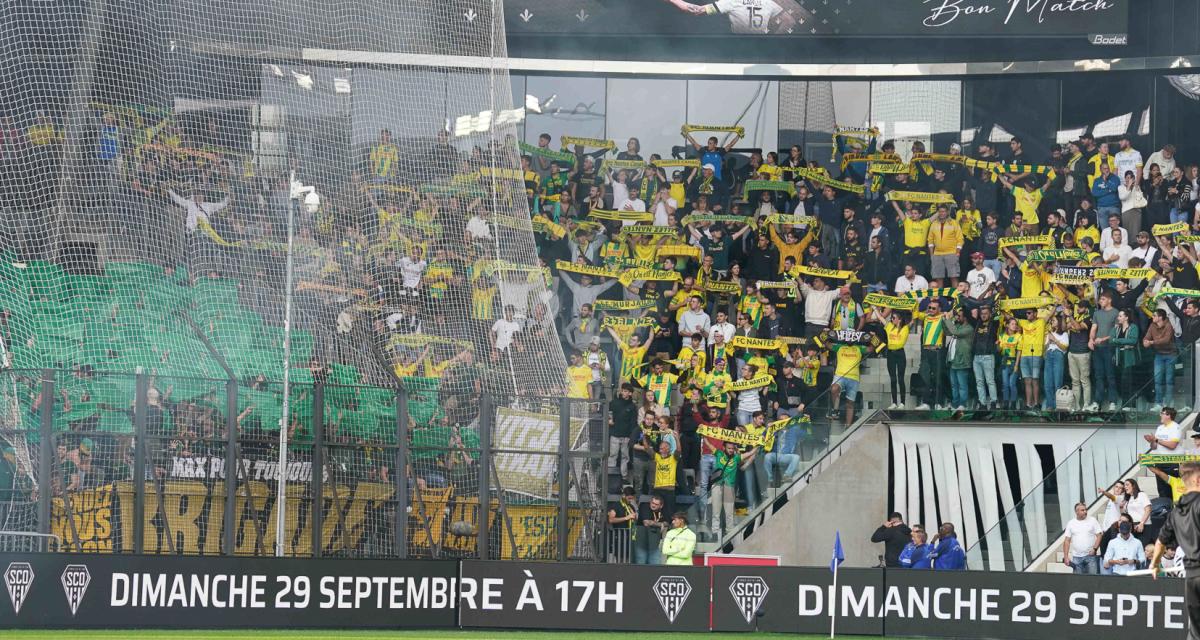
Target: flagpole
(833,602)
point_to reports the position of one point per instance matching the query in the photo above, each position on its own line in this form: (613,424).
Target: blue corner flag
(838,556)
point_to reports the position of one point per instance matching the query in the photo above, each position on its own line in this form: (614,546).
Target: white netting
(150,155)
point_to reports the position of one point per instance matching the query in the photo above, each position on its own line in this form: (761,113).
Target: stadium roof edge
(625,67)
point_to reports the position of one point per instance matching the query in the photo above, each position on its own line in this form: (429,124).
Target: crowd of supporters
(718,290)
(729,285)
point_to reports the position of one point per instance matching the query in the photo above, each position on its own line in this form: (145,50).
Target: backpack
(1064,399)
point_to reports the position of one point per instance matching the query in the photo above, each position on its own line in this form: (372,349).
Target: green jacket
(678,546)
(965,345)
(1129,348)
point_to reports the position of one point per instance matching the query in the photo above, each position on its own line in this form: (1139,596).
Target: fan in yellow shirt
(579,378)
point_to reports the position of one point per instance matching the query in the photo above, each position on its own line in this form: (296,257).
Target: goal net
(152,154)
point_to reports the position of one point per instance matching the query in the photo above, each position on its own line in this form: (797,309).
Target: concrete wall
(850,495)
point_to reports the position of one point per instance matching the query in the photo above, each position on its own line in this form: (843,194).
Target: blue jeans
(1086,565)
(750,484)
(706,467)
(789,461)
(1104,374)
(1178,215)
(1102,214)
(960,384)
(787,441)
(985,378)
(1164,378)
(1052,376)
(1008,379)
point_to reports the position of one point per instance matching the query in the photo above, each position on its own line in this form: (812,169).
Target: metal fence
(113,463)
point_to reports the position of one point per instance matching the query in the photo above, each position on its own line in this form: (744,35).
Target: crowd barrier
(182,592)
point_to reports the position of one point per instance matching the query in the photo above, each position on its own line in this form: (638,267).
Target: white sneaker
(891,407)
(1155,408)
(943,407)
(960,408)
(1112,406)
(900,406)
(1093,407)
(922,407)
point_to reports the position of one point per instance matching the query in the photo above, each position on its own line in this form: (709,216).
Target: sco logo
(672,592)
(749,592)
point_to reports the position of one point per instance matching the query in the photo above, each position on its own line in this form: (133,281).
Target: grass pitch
(379,635)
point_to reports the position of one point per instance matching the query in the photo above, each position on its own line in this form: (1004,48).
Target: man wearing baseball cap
(711,185)
(980,278)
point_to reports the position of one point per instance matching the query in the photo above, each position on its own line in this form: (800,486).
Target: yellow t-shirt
(679,193)
(916,233)
(712,395)
(578,379)
(383,159)
(1010,345)
(482,303)
(685,357)
(755,430)
(897,336)
(1027,203)
(1032,281)
(849,358)
(631,359)
(969,222)
(661,386)
(1177,488)
(664,471)
(1087,232)
(808,370)
(1033,337)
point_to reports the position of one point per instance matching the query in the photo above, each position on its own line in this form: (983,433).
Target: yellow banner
(938,157)
(1183,293)
(888,168)
(623,305)
(621,216)
(722,287)
(542,224)
(794,220)
(1013,304)
(617,322)
(1019,241)
(85,520)
(786,285)
(690,128)
(600,272)
(634,275)
(649,230)
(754,383)
(764,344)
(784,423)
(729,435)
(920,196)
(535,531)
(823,179)
(818,272)
(672,164)
(573,141)
(679,250)
(890,302)
(1168,229)
(709,217)
(617,165)
(1121,274)
(920,294)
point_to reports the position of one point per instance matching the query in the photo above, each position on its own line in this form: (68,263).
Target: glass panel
(570,106)
(909,111)
(753,105)
(650,110)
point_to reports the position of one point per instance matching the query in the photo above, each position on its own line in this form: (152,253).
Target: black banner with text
(537,595)
(194,592)
(98,591)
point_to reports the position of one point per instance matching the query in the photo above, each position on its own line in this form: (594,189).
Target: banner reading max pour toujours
(122,592)
(611,597)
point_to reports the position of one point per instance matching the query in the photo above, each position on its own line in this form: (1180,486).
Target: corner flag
(838,556)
